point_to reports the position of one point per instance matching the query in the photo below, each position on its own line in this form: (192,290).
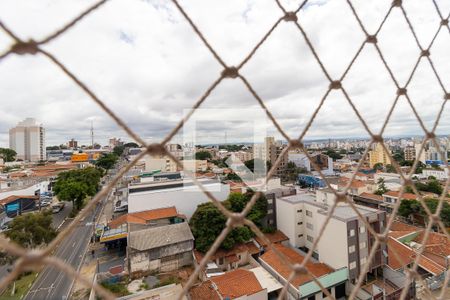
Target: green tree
(390,169)
(382,189)
(378,167)
(32,230)
(118,150)
(7,154)
(203,155)
(208,222)
(420,167)
(409,208)
(52,148)
(131,145)
(107,161)
(333,154)
(76,185)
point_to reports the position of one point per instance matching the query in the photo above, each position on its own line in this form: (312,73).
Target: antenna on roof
(92,134)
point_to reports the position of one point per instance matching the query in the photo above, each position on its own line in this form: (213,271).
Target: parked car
(5,226)
(57,207)
(121,208)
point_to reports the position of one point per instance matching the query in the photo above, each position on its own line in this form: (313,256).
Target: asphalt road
(53,283)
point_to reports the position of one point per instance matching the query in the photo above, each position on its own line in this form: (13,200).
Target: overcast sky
(145,62)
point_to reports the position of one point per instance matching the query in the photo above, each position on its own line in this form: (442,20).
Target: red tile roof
(404,255)
(371,196)
(204,291)
(293,257)
(437,243)
(12,198)
(407,196)
(400,226)
(221,253)
(275,237)
(343,181)
(144,216)
(237,283)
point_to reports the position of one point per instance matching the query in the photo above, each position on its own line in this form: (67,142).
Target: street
(53,283)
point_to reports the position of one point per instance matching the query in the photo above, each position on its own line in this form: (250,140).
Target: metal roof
(155,237)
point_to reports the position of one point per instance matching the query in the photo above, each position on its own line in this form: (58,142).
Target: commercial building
(322,161)
(72,144)
(183,194)
(378,156)
(345,241)
(79,157)
(28,140)
(15,205)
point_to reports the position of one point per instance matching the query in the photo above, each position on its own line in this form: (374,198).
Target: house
(226,260)
(302,286)
(369,200)
(356,187)
(391,197)
(160,248)
(237,284)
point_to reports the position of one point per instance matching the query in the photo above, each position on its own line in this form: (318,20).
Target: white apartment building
(345,241)
(28,140)
(438,174)
(183,194)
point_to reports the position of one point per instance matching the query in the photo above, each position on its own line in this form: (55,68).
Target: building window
(300,223)
(299,210)
(310,238)
(363,260)
(352,265)
(269,201)
(351,249)
(270,211)
(221,261)
(362,229)
(308,213)
(309,226)
(352,232)
(362,245)
(300,235)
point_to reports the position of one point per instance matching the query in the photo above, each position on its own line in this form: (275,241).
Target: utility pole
(92,134)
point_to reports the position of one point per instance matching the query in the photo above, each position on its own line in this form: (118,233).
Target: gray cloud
(147,64)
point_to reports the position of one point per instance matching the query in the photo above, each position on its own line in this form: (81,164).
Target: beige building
(410,153)
(195,165)
(301,218)
(378,155)
(28,140)
(162,163)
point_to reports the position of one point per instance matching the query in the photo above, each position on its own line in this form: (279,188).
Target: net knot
(335,85)
(377,138)
(425,53)
(372,39)
(290,17)
(22,48)
(447,96)
(444,22)
(341,197)
(401,91)
(299,269)
(430,135)
(230,72)
(235,220)
(397,3)
(156,149)
(295,144)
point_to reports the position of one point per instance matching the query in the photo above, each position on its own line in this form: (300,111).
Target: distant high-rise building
(28,140)
(114,142)
(410,153)
(72,144)
(378,155)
